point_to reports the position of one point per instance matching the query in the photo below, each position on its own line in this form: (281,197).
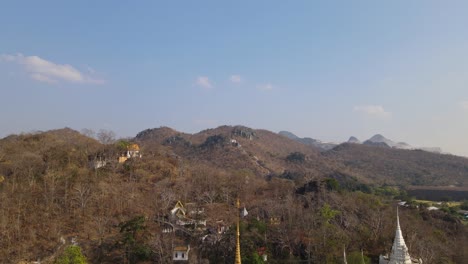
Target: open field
(430,203)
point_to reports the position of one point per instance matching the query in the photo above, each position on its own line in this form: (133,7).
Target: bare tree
(167,198)
(88,132)
(82,194)
(101,223)
(106,136)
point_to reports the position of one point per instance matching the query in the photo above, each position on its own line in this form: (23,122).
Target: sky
(322,69)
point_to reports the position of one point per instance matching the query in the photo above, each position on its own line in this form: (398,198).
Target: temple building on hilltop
(133,151)
(400,254)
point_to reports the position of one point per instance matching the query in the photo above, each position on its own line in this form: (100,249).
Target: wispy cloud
(90,69)
(235,79)
(464,105)
(43,70)
(265,87)
(204,82)
(376,111)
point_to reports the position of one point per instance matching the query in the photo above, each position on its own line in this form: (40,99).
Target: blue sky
(322,69)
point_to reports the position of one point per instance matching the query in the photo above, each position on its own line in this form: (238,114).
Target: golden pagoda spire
(238,254)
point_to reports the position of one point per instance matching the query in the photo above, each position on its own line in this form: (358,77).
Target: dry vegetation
(299,209)
(402,167)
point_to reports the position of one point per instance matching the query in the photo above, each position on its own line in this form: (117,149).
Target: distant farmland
(438,193)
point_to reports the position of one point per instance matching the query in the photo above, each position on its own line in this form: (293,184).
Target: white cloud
(373,110)
(265,87)
(204,82)
(464,105)
(235,79)
(46,71)
(42,78)
(7,57)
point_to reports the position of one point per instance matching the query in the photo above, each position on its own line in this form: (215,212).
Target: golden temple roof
(133,147)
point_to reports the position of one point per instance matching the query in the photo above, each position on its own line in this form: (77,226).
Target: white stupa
(399,253)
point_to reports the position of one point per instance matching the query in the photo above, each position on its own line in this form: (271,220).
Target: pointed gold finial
(238,254)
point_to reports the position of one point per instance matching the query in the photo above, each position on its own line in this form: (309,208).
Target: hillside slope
(401,167)
(51,196)
(261,151)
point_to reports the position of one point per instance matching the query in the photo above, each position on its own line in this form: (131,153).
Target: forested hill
(260,151)
(383,165)
(267,152)
(60,187)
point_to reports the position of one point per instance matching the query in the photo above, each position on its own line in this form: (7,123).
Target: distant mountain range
(354,140)
(324,146)
(381,140)
(376,140)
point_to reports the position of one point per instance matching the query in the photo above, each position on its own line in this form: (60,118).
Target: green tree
(327,213)
(72,255)
(357,257)
(253,259)
(122,144)
(332,184)
(130,228)
(296,157)
(133,232)
(464,205)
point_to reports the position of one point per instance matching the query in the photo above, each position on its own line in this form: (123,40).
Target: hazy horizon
(325,70)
